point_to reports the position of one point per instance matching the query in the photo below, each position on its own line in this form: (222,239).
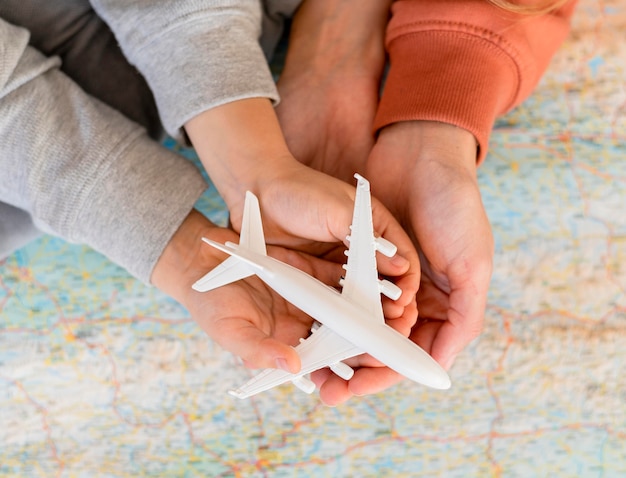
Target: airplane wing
(361,284)
(323,348)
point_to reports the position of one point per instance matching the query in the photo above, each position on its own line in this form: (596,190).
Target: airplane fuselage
(326,305)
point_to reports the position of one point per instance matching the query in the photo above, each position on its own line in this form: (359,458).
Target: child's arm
(209,75)
(81,170)
(195,55)
(465,62)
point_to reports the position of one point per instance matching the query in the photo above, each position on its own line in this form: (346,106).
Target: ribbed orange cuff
(435,75)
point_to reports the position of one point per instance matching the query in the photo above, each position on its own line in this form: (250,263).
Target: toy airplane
(352,320)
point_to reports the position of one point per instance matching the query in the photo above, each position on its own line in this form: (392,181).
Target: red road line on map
(564,314)
(609,273)
(22,330)
(381,413)
(255,406)
(194,441)
(128,320)
(457,438)
(618,112)
(116,384)
(65,323)
(560,313)
(596,172)
(9,292)
(339,454)
(525,433)
(553,151)
(44,421)
(117,392)
(295,427)
(52,298)
(564,135)
(497,468)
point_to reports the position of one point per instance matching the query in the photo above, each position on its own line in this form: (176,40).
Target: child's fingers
(257,349)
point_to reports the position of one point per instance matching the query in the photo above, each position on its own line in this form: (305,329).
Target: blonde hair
(534,7)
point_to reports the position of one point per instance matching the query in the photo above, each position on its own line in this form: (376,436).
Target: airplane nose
(436,377)
(443,382)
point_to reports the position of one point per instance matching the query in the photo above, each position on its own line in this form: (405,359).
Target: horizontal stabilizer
(231,270)
(242,262)
(304,384)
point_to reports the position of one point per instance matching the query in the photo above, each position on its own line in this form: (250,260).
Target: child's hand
(426,174)
(241,146)
(440,205)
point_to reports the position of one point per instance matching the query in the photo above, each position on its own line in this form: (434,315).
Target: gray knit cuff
(144,199)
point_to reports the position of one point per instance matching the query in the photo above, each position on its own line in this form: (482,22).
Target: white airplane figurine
(352,320)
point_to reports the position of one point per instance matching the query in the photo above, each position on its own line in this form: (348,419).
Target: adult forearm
(330,84)
(338,33)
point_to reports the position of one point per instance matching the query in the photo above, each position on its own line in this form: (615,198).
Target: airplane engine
(304,384)
(385,247)
(389,289)
(344,371)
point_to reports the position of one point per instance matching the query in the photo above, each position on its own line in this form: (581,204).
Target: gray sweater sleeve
(83,171)
(195,54)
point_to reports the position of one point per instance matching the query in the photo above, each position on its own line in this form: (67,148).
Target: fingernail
(449,362)
(282,364)
(399,261)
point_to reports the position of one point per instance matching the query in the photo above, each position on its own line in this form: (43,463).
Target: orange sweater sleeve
(464,62)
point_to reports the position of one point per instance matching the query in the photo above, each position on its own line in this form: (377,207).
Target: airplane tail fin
(236,267)
(252,237)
